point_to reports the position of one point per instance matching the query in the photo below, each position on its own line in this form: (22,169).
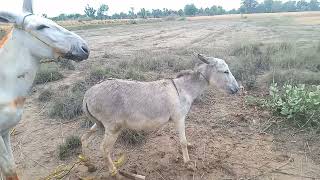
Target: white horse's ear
(203,58)
(27,6)
(6,17)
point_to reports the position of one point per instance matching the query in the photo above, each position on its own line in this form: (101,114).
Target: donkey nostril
(85,49)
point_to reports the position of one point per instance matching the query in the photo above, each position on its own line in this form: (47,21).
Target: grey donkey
(118,104)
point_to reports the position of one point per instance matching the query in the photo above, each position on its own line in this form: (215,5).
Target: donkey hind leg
(85,140)
(106,148)
(7,165)
(180,126)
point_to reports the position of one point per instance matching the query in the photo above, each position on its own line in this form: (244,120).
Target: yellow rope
(63,170)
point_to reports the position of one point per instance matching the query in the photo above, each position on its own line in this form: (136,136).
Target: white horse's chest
(16,79)
(15,82)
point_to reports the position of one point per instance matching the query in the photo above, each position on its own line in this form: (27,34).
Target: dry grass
(48,73)
(299,15)
(132,138)
(45,95)
(281,62)
(70,147)
(66,106)
(66,64)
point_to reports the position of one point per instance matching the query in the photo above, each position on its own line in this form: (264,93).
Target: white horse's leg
(180,126)
(7,142)
(7,164)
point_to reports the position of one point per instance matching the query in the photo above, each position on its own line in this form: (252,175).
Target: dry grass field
(232,139)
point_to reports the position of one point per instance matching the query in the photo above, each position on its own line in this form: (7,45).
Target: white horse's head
(217,72)
(43,37)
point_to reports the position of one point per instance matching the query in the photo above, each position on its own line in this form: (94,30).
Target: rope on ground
(63,170)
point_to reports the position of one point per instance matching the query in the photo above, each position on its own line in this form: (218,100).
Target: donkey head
(43,37)
(217,72)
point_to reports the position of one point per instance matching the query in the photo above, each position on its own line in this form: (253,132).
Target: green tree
(314,5)
(277,6)
(143,13)
(90,11)
(102,11)
(156,13)
(131,13)
(201,11)
(302,5)
(249,5)
(190,10)
(180,12)
(268,5)
(289,6)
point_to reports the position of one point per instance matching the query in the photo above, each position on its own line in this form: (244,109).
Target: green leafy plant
(300,104)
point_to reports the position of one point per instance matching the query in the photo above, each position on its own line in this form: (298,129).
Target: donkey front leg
(180,126)
(7,164)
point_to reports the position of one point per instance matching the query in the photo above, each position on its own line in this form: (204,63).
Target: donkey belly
(141,122)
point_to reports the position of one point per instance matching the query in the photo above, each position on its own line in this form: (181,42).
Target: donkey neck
(191,85)
(17,67)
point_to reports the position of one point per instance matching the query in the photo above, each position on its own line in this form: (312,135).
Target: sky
(56,7)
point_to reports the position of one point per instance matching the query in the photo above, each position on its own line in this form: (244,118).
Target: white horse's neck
(17,67)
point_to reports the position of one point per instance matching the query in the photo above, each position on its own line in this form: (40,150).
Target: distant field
(307,18)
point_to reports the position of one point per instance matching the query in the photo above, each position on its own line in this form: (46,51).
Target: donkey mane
(6,37)
(185,73)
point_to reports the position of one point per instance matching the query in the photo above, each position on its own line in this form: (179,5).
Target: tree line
(247,6)
(271,6)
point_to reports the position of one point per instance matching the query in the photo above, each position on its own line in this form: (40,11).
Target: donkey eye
(42,27)
(226,72)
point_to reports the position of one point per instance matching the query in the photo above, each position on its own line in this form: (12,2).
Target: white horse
(31,39)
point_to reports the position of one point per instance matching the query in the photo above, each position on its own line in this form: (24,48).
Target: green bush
(99,74)
(45,95)
(66,64)
(134,75)
(283,62)
(80,86)
(67,106)
(299,104)
(47,74)
(71,146)
(293,76)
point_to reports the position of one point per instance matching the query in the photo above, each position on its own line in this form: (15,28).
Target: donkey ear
(203,58)
(6,17)
(28,6)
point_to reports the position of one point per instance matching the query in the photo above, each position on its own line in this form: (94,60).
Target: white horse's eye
(226,72)
(42,27)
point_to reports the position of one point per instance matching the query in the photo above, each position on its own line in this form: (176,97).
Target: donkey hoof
(91,168)
(190,166)
(114,172)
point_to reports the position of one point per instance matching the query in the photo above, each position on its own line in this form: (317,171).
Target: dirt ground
(230,139)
